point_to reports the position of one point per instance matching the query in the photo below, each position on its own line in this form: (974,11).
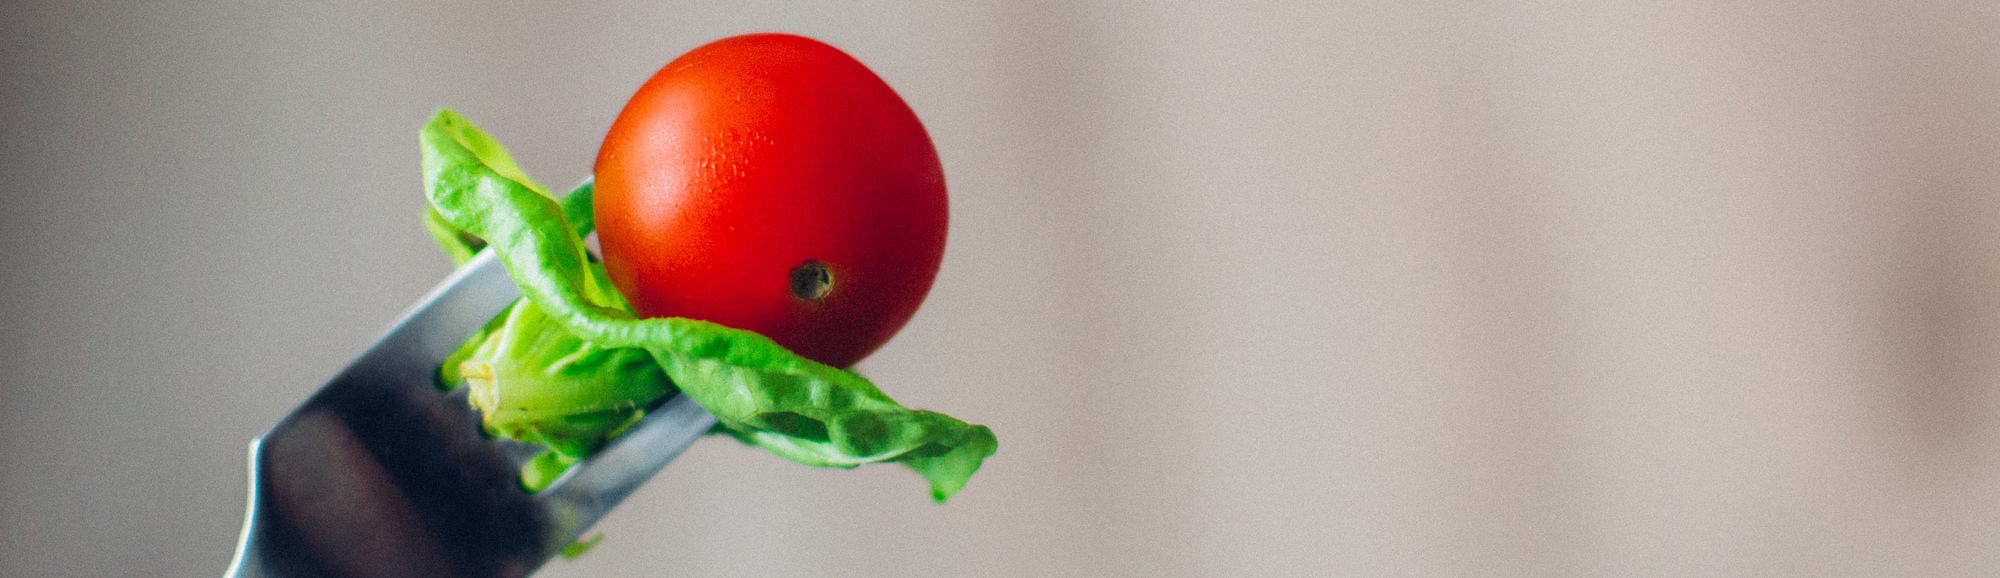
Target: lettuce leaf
(560,347)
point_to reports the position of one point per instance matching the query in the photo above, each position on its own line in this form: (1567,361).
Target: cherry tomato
(771,182)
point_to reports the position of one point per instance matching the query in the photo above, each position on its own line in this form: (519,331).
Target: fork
(382,474)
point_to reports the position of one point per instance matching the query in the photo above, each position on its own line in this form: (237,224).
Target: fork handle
(248,562)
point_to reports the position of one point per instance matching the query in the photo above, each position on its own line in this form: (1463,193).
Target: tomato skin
(741,161)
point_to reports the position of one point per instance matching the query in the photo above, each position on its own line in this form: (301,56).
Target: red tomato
(772,183)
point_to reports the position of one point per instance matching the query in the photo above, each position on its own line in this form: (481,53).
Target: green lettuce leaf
(759,391)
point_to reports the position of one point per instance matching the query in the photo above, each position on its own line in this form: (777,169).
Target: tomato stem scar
(812,280)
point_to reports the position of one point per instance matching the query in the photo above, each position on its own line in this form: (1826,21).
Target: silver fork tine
(381,474)
(589,491)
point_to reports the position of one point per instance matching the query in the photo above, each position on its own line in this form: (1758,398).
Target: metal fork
(381,474)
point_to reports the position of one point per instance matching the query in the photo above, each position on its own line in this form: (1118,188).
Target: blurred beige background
(1247,289)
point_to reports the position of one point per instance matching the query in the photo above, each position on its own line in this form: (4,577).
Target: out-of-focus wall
(1268,289)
